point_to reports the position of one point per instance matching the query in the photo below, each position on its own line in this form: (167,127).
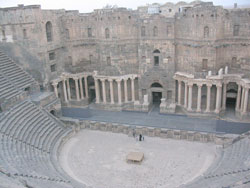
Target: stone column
(111,91)
(238,98)
(68,86)
(97,94)
(119,91)
(133,89)
(242,98)
(224,96)
(55,89)
(81,88)
(199,98)
(179,92)
(218,98)
(125,89)
(77,89)
(246,100)
(208,97)
(186,95)
(64,91)
(86,86)
(190,93)
(104,91)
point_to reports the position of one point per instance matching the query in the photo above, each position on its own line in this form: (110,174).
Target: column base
(217,111)
(198,111)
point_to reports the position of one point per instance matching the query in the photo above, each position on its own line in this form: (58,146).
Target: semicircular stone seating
(29,138)
(232,169)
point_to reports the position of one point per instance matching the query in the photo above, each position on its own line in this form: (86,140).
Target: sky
(85,6)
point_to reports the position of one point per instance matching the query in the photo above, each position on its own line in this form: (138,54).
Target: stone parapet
(194,136)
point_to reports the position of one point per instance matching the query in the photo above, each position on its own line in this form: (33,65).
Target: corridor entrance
(156,97)
(231,99)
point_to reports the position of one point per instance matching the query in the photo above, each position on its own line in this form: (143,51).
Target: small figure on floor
(140,137)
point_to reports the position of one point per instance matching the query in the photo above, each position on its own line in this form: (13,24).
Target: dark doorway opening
(231,99)
(231,103)
(92,94)
(157,97)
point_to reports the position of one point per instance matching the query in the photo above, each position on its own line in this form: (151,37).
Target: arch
(49,31)
(206,32)
(155,31)
(156,51)
(156,84)
(107,33)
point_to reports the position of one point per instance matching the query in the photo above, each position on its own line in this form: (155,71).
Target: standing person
(140,137)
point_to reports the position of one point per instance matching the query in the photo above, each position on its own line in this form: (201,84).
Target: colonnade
(80,93)
(221,96)
(120,92)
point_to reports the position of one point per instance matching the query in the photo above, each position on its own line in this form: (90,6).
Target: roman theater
(121,98)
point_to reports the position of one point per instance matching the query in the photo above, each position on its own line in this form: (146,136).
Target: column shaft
(238,98)
(77,89)
(179,92)
(208,98)
(190,93)
(97,94)
(199,99)
(224,96)
(68,89)
(242,99)
(104,91)
(218,98)
(86,86)
(64,91)
(119,91)
(246,100)
(133,89)
(126,90)
(111,91)
(186,95)
(81,89)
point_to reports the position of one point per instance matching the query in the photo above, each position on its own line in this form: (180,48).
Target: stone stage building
(190,58)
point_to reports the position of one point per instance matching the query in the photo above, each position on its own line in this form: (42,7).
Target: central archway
(156,89)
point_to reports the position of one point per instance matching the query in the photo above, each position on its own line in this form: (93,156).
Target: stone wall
(204,137)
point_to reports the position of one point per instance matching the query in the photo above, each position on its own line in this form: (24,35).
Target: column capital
(209,85)
(125,79)
(118,80)
(190,84)
(75,78)
(103,79)
(200,84)
(218,85)
(55,84)
(110,79)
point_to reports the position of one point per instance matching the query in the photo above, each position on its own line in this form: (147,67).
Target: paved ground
(98,159)
(154,119)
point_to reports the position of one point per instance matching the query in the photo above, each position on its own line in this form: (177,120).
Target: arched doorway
(231,96)
(231,99)
(156,89)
